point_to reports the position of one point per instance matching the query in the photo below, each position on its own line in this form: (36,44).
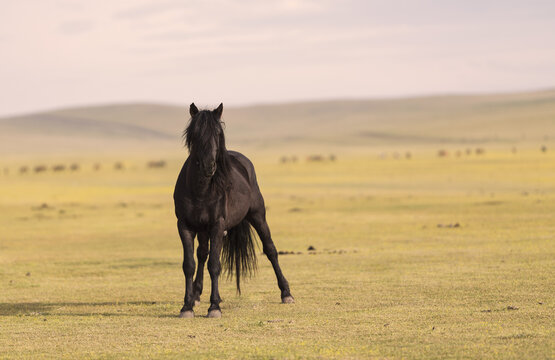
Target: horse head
(204,137)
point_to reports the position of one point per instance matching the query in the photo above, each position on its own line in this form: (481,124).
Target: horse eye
(197,162)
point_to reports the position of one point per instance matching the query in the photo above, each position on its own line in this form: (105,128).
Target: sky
(55,54)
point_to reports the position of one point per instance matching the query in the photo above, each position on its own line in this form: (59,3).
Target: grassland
(415,258)
(508,119)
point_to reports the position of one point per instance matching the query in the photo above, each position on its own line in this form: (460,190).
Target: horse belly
(238,206)
(235,217)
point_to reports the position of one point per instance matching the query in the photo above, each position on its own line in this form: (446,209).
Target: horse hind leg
(202,255)
(258,221)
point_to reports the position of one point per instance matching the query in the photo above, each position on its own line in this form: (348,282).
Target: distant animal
(74,167)
(314,158)
(156,164)
(96,166)
(284,159)
(480,151)
(23,170)
(544,148)
(40,168)
(442,153)
(118,166)
(58,168)
(217,200)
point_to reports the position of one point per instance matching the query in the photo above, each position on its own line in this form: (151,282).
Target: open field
(415,258)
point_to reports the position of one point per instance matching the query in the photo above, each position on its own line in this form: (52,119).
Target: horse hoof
(187,314)
(288,300)
(197,302)
(215,314)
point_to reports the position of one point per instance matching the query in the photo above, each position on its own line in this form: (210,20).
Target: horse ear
(193,109)
(218,111)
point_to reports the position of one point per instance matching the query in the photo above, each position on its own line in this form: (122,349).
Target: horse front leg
(215,268)
(202,255)
(187,237)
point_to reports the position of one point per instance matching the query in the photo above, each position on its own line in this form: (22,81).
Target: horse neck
(200,186)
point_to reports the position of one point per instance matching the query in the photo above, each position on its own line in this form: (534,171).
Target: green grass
(97,273)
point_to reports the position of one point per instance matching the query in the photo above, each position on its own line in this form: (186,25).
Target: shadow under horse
(217,199)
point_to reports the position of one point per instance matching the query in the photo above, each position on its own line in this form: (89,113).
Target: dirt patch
(281,252)
(43,206)
(455,225)
(491,203)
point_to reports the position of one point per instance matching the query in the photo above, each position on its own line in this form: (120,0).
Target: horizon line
(277,103)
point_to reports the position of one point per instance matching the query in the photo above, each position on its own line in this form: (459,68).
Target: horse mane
(203,127)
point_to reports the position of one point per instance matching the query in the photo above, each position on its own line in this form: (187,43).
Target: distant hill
(501,118)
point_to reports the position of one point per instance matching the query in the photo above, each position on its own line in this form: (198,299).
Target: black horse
(217,199)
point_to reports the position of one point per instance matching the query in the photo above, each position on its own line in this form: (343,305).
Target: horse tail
(238,252)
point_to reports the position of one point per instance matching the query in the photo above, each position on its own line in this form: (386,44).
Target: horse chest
(202,214)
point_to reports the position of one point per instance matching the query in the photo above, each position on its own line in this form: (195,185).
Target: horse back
(243,165)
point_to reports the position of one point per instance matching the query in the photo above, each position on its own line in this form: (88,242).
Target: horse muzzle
(210,172)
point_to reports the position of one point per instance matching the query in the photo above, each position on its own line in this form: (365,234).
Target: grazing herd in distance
(443,153)
(74,167)
(158,164)
(478,151)
(468,151)
(309,158)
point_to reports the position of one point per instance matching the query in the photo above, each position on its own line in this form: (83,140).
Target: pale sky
(63,53)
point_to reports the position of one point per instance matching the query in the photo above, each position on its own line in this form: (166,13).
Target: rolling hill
(511,119)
